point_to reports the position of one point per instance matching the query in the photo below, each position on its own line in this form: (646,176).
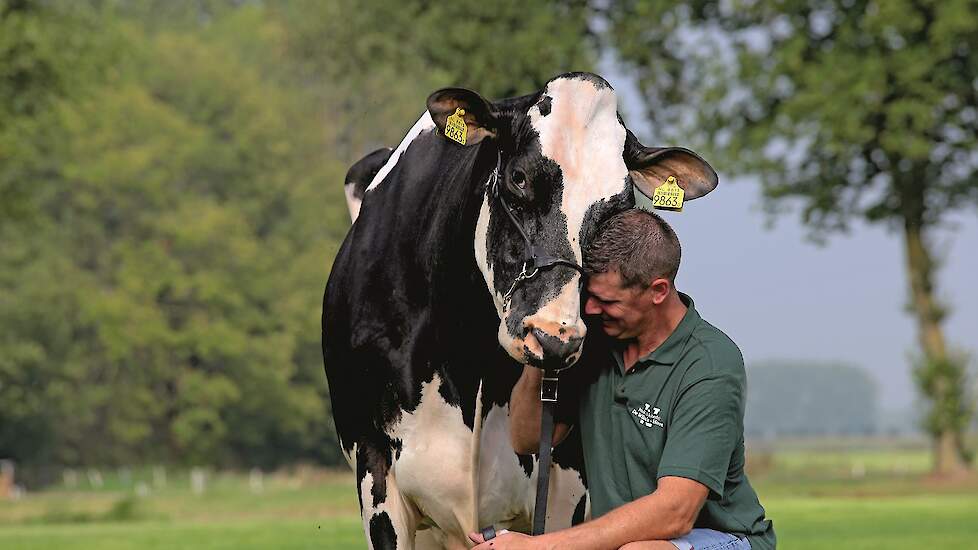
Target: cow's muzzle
(556,349)
(553,347)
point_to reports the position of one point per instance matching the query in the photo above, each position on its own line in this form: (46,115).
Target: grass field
(866,498)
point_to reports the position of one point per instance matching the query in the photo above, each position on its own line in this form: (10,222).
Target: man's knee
(649,545)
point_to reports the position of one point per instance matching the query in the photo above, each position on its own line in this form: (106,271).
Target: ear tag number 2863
(455,128)
(668,196)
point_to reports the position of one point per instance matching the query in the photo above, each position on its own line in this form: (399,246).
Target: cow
(429,316)
(360,175)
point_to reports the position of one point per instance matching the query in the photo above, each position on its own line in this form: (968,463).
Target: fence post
(6,478)
(159,477)
(197,480)
(256,480)
(70,478)
(95,478)
(125,476)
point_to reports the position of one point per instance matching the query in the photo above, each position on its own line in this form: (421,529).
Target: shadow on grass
(127,508)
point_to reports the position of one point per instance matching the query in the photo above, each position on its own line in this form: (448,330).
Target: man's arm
(525,410)
(666,514)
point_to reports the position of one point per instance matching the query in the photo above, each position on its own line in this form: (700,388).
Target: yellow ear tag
(455,127)
(668,196)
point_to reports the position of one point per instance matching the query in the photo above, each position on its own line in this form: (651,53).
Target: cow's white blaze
(423,123)
(583,135)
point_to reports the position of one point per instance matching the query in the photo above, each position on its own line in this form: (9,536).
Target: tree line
(171,173)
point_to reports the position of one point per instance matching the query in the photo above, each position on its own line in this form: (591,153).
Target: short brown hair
(639,245)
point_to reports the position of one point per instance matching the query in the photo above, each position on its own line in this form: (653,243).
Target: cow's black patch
(398,446)
(545,104)
(526,461)
(374,458)
(363,171)
(382,535)
(598,212)
(579,510)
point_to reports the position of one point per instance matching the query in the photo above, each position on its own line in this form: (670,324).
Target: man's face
(625,312)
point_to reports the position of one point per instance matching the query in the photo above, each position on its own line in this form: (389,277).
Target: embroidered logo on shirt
(648,416)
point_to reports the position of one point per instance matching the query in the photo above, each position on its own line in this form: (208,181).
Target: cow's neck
(462,321)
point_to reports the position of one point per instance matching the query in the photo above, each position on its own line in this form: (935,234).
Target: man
(661,415)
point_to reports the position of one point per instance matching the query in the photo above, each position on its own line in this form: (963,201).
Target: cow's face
(567,163)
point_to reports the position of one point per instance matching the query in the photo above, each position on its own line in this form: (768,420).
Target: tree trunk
(948,443)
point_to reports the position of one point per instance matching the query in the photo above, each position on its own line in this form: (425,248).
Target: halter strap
(535,259)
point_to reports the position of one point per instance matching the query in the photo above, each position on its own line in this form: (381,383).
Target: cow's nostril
(555,348)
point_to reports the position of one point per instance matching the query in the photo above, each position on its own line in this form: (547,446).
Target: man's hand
(525,411)
(675,504)
(507,540)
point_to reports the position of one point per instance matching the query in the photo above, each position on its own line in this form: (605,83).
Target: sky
(780,296)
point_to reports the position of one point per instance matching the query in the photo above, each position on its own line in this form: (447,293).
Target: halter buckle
(548,388)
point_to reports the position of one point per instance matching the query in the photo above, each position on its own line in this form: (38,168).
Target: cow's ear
(480,120)
(650,167)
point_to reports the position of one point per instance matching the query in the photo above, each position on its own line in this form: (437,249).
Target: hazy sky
(780,296)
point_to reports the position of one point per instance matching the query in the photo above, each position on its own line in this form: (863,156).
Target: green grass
(284,533)
(816,499)
(908,522)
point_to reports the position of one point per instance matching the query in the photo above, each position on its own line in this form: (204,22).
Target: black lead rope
(548,400)
(535,261)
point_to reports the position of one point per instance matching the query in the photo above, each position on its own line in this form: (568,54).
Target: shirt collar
(668,352)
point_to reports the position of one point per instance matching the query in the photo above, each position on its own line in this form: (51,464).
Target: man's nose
(591,306)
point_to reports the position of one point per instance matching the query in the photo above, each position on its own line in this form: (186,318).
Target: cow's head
(568,162)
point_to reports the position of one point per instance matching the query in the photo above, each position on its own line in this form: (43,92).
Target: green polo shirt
(678,412)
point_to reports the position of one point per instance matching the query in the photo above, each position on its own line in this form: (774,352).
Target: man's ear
(480,120)
(660,289)
(651,166)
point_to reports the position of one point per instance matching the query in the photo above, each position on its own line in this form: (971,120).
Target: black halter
(535,258)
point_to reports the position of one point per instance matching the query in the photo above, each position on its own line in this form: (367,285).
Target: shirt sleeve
(705,428)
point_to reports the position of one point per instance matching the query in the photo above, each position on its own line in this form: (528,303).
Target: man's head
(632,265)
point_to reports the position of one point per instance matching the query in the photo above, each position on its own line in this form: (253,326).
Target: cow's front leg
(389,520)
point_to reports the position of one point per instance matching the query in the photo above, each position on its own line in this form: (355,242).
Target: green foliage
(945,383)
(47,54)
(150,310)
(857,108)
(171,175)
(852,109)
(403,51)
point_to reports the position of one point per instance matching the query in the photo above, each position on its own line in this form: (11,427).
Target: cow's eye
(519,179)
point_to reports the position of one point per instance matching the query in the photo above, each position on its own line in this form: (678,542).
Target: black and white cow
(421,348)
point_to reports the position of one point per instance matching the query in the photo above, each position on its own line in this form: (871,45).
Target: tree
(177,169)
(854,109)
(382,58)
(47,54)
